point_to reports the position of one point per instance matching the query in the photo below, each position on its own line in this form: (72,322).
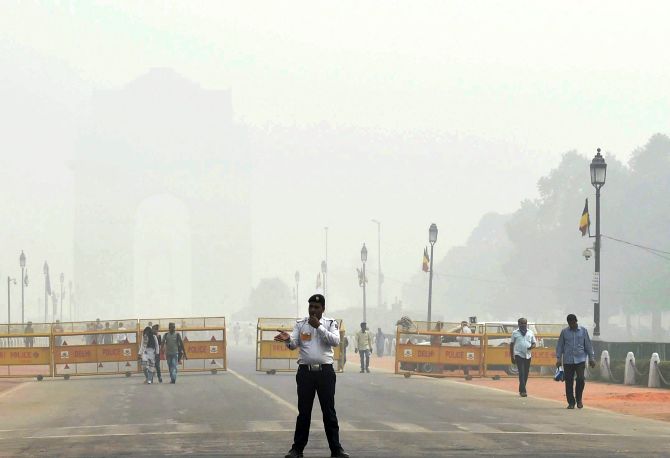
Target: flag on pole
(318,280)
(585,221)
(426,260)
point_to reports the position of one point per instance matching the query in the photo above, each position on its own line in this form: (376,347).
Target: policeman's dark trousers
(523,366)
(365,359)
(570,371)
(321,383)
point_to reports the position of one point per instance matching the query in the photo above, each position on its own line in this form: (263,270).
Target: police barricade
(25,350)
(95,348)
(438,349)
(204,341)
(498,359)
(273,357)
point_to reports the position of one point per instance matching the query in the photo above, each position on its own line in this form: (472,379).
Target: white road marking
(267,392)
(406,427)
(13,389)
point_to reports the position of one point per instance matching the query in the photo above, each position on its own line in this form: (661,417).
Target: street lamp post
(324,271)
(69,297)
(47,291)
(598,174)
(297,294)
(432,238)
(364,258)
(22,263)
(9,299)
(380,277)
(62,302)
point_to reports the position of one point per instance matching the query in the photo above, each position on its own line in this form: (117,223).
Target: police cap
(319,299)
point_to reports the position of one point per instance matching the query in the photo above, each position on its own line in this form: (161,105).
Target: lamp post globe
(598,170)
(432,234)
(364,253)
(22,260)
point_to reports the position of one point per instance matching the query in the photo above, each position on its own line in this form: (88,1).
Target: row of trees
(529,262)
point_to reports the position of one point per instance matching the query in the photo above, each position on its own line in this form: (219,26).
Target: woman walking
(148,354)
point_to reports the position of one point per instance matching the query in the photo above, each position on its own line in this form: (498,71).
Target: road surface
(244,413)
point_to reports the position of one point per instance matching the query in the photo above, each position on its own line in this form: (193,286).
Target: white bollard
(629,370)
(654,375)
(604,361)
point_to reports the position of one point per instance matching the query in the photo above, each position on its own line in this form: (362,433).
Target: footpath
(639,401)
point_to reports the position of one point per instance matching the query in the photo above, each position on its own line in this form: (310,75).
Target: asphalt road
(244,413)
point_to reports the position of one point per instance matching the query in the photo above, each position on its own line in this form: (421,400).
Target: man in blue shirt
(573,349)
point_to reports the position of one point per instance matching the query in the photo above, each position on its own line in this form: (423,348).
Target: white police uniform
(315,375)
(316,345)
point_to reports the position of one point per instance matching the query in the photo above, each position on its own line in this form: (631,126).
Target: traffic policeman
(315,336)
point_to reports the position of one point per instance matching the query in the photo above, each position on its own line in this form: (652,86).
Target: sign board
(595,287)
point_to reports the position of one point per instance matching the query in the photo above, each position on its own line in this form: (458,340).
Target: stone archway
(161,135)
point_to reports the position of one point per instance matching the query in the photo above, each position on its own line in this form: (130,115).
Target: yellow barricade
(204,341)
(498,360)
(435,349)
(273,357)
(95,348)
(25,350)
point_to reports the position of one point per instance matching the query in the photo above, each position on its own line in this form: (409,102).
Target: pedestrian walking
(363,346)
(236,333)
(29,340)
(315,336)
(379,342)
(522,342)
(572,350)
(147,354)
(155,328)
(174,351)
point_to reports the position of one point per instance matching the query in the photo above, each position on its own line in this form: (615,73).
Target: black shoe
(571,406)
(580,405)
(523,394)
(362,371)
(293,453)
(367,370)
(339,454)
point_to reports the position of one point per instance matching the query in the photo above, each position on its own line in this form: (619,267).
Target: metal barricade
(25,350)
(438,349)
(273,357)
(498,359)
(204,341)
(95,348)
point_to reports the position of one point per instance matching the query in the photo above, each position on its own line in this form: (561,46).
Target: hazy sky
(508,86)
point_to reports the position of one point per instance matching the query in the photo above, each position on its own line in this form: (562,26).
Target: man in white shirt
(315,337)
(523,341)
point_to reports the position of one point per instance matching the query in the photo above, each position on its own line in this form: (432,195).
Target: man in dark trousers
(315,336)
(573,349)
(155,328)
(522,342)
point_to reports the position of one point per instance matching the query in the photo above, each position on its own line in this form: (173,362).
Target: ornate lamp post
(598,175)
(364,258)
(297,294)
(24,282)
(432,238)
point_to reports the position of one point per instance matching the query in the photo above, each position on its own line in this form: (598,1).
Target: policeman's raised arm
(294,340)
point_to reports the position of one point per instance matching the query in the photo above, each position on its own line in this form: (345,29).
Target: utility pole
(380,276)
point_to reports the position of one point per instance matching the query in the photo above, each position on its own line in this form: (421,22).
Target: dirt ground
(632,400)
